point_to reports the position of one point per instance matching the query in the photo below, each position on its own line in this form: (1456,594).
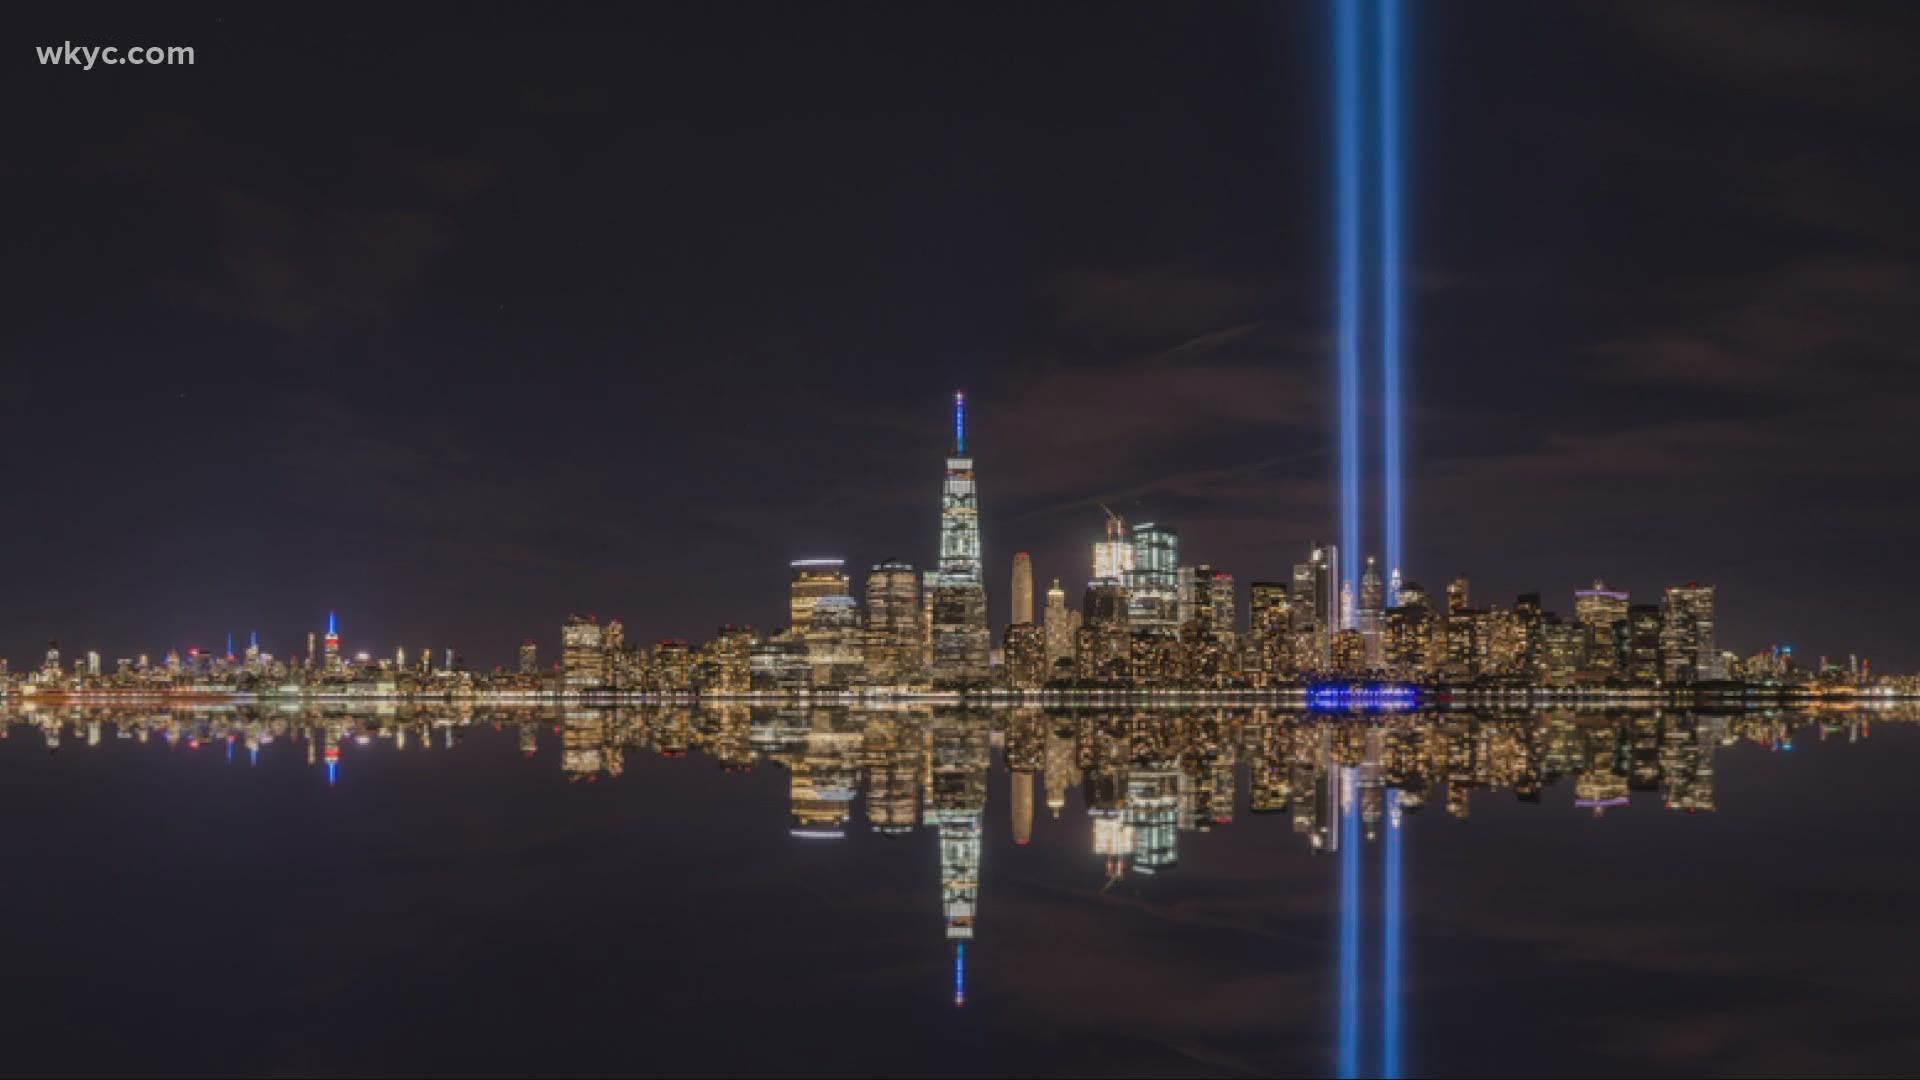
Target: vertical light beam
(1389,105)
(1349,810)
(1347,117)
(1390,948)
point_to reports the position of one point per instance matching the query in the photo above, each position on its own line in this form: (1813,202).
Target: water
(1221,892)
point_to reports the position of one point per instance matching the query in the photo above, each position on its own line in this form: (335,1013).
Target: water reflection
(1148,782)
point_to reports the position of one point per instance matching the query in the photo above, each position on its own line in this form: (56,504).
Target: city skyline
(349,348)
(1140,594)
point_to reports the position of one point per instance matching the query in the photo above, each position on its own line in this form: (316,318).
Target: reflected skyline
(1144,787)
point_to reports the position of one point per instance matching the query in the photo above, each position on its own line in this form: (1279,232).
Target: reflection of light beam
(1349,924)
(1390,949)
(1347,182)
(1389,90)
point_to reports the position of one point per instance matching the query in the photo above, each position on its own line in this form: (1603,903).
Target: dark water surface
(725,890)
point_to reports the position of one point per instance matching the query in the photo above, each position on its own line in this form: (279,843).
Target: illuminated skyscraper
(1687,651)
(732,653)
(813,579)
(960,641)
(333,643)
(529,658)
(1153,582)
(1105,645)
(836,645)
(1643,643)
(1022,588)
(1459,596)
(1267,628)
(1315,608)
(583,658)
(1062,624)
(1024,647)
(1603,614)
(1113,557)
(893,623)
(1370,618)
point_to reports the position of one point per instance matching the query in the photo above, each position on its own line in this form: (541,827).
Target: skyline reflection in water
(1149,862)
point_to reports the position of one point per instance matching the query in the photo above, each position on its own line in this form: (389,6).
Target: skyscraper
(1643,643)
(1062,624)
(1370,619)
(1113,557)
(1687,651)
(960,640)
(893,623)
(1267,629)
(813,579)
(583,657)
(1153,582)
(1602,612)
(1022,588)
(529,658)
(333,643)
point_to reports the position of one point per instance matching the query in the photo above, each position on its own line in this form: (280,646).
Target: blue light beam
(1390,255)
(1349,923)
(1347,125)
(1390,949)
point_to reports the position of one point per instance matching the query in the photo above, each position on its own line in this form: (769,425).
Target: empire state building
(958,598)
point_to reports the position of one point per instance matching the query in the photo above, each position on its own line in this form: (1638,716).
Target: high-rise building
(960,641)
(1458,598)
(1061,625)
(1104,646)
(1025,648)
(1687,650)
(1153,581)
(1267,627)
(732,652)
(1113,557)
(836,645)
(1022,588)
(583,657)
(333,643)
(1643,643)
(813,579)
(1370,619)
(1315,608)
(529,658)
(1602,612)
(893,623)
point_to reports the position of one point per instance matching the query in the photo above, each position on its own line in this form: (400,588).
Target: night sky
(456,323)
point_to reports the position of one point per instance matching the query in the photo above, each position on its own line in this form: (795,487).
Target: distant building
(1687,649)
(1025,648)
(1061,625)
(813,579)
(529,658)
(1643,643)
(1153,581)
(893,633)
(583,656)
(1022,588)
(957,606)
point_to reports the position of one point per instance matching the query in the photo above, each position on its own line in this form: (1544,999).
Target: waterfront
(802,890)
